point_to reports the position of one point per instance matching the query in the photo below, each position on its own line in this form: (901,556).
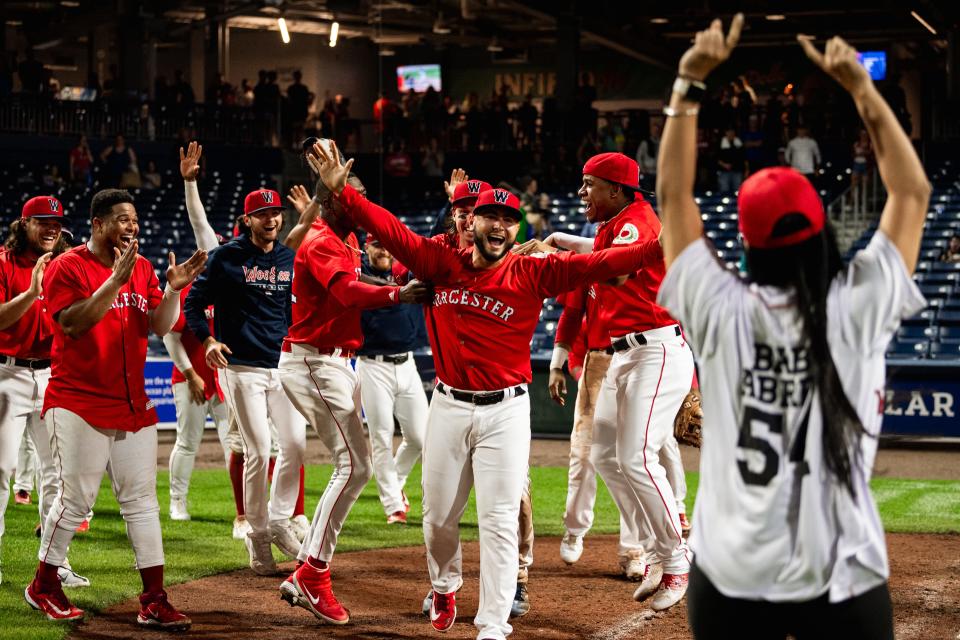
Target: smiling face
(264,225)
(118,228)
(42,234)
(463,223)
(380,259)
(495,231)
(598,197)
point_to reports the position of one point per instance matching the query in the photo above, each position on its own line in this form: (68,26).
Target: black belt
(479,399)
(30,364)
(400,358)
(621,344)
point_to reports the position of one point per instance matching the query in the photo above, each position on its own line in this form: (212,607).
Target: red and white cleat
(156,612)
(52,602)
(311,588)
(685,525)
(443,611)
(397,517)
(672,589)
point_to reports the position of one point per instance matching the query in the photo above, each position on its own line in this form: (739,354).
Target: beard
(491,255)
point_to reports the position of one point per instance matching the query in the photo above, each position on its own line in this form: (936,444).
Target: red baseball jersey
(632,306)
(447,239)
(195,351)
(579,319)
(31,336)
(481,321)
(99,375)
(319,319)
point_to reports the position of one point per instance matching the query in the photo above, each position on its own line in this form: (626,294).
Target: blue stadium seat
(945,350)
(908,349)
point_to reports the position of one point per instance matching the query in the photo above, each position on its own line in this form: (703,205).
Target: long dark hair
(17,243)
(809,268)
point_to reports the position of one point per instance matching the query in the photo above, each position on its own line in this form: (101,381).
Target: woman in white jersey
(786,538)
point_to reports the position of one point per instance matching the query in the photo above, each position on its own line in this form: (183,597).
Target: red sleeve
(154,292)
(6,271)
(571,319)
(429,260)
(64,284)
(401,275)
(567,270)
(577,355)
(181,324)
(327,263)
(359,295)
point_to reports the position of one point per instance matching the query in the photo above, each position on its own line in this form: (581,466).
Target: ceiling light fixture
(776,17)
(386,51)
(659,20)
(334,31)
(494,46)
(69,3)
(284,34)
(923,22)
(440,27)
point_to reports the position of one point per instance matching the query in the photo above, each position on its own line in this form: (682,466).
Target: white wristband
(559,357)
(169,289)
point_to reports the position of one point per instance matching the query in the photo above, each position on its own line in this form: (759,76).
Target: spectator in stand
(151,177)
(433,159)
(245,94)
(30,72)
(730,162)
(119,161)
(343,124)
(52,180)
(299,98)
(183,96)
(589,147)
(162,93)
(528,193)
(862,161)
(952,252)
(753,144)
(397,163)
(8,62)
(803,154)
(527,123)
(647,157)
(81,163)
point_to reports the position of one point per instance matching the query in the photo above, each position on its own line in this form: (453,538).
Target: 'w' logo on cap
(473,186)
(500,196)
(267,197)
(54,204)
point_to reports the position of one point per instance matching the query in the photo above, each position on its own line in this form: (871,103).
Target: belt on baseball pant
(481,398)
(27,363)
(336,352)
(399,358)
(640,338)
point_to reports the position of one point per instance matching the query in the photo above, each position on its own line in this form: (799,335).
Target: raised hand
(299,198)
(710,48)
(123,262)
(414,292)
(456,177)
(314,164)
(190,162)
(36,278)
(180,275)
(839,60)
(332,173)
(533,246)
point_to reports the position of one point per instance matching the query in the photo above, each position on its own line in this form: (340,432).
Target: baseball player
(103,298)
(485,308)
(328,298)
(25,340)
(462,193)
(787,534)
(390,384)
(248,283)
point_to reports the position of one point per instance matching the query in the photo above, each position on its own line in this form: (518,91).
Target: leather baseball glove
(689,420)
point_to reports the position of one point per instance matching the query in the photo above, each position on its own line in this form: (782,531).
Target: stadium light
(923,22)
(284,34)
(334,31)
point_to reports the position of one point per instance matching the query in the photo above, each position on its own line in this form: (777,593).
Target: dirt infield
(384,589)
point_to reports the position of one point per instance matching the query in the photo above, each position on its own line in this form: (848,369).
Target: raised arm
(165,315)
(908,190)
(566,271)
(677,163)
(308,208)
(204,234)
(14,308)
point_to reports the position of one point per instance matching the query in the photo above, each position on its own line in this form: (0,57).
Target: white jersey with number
(771,523)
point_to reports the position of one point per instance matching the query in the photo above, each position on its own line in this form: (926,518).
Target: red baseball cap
(779,207)
(42,207)
(261,199)
(370,238)
(498,198)
(469,190)
(614,167)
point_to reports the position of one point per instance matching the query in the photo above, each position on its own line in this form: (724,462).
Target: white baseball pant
(673,465)
(82,453)
(525,533)
(638,402)
(256,397)
(191,421)
(21,399)
(486,447)
(325,389)
(389,390)
(27,470)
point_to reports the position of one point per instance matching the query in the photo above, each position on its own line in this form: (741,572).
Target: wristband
(689,89)
(670,112)
(559,357)
(169,289)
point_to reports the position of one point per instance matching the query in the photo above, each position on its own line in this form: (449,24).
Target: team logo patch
(473,186)
(628,235)
(500,196)
(54,204)
(267,197)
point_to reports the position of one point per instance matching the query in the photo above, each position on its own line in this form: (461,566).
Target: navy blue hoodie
(391,330)
(250,292)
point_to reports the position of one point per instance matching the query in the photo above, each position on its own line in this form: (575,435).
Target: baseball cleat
(672,589)
(84,527)
(261,555)
(301,526)
(312,589)
(521,602)
(156,612)
(178,509)
(571,548)
(282,535)
(71,579)
(38,530)
(53,603)
(397,517)
(651,580)
(443,611)
(240,528)
(427,603)
(22,497)
(632,566)
(685,525)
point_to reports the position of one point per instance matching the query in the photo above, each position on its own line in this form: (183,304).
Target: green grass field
(204,547)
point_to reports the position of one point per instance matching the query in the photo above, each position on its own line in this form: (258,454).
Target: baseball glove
(689,420)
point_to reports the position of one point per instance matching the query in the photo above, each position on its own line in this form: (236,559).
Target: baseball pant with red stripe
(326,391)
(638,402)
